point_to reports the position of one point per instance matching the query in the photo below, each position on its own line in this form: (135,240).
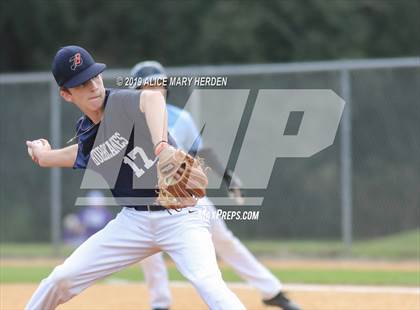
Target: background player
(227,246)
(137,231)
(77,227)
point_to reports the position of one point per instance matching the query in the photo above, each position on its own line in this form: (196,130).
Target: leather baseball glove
(181,179)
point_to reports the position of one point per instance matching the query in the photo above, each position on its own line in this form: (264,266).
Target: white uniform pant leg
(121,243)
(156,277)
(187,240)
(236,255)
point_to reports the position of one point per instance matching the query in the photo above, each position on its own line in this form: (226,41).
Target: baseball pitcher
(122,142)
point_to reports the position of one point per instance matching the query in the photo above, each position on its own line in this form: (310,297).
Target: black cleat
(281,301)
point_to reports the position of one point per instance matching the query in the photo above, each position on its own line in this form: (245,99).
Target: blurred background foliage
(207,32)
(303,195)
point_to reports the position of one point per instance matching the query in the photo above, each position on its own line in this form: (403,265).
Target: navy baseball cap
(73,65)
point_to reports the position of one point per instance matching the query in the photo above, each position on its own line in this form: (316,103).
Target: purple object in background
(89,220)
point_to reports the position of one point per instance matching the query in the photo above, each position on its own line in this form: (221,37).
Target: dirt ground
(135,296)
(126,296)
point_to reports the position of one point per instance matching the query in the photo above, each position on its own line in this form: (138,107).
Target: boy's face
(88,96)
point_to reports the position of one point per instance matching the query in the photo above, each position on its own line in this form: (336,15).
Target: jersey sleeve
(185,133)
(193,136)
(78,162)
(85,138)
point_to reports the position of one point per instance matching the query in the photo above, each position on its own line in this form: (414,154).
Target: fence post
(346,163)
(55,173)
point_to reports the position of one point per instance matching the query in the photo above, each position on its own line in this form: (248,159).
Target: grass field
(404,246)
(384,264)
(35,274)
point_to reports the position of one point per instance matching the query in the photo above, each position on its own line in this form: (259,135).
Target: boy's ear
(65,93)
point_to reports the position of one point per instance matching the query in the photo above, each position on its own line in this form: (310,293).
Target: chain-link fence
(366,184)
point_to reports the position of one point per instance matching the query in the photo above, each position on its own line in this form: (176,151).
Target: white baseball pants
(130,237)
(229,249)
